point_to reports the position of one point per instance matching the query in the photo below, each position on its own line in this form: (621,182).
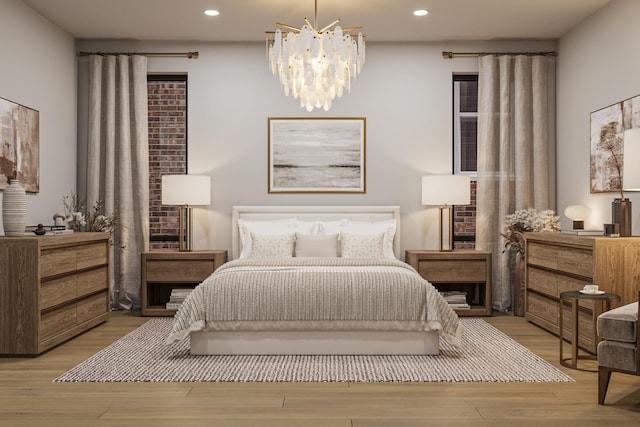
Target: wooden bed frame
(314,342)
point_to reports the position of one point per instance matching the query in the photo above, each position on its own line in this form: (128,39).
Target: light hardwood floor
(28,397)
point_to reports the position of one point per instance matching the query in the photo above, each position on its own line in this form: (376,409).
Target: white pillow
(316,246)
(246,227)
(278,226)
(361,245)
(272,245)
(332,227)
(386,226)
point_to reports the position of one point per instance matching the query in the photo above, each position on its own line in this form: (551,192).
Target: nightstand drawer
(453,270)
(179,270)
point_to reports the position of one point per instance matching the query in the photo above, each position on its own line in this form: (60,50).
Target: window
(167,104)
(465,123)
(465,154)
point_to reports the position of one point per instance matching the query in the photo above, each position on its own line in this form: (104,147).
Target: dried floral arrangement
(524,220)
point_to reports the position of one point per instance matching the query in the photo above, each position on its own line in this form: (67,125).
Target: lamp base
(446,228)
(578,225)
(186,232)
(621,214)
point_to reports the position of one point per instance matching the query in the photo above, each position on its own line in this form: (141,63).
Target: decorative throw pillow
(272,245)
(316,246)
(246,227)
(387,226)
(361,245)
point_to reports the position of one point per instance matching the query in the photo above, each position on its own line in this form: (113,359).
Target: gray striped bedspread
(315,293)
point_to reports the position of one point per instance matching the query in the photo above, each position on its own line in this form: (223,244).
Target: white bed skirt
(315,342)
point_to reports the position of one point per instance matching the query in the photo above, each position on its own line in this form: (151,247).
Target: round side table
(573,297)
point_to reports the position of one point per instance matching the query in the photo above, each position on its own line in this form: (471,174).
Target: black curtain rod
(451,55)
(189,55)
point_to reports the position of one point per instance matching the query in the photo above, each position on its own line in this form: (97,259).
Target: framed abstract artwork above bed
(317,155)
(19,145)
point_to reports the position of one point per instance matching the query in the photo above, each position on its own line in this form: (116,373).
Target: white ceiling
(383,20)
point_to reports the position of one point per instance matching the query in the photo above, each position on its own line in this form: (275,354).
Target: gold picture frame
(318,155)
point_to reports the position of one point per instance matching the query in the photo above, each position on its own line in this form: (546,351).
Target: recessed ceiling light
(211,12)
(420,12)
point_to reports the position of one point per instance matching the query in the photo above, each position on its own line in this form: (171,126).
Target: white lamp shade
(186,190)
(577,212)
(631,172)
(438,190)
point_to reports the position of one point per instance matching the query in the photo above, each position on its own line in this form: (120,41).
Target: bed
(315,280)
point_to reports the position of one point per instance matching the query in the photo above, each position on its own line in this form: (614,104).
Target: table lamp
(446,191)
(186,191)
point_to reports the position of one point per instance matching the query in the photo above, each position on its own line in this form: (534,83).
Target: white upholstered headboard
(312,213)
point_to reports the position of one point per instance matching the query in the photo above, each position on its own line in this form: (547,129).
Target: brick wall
(464,221)
(167,153)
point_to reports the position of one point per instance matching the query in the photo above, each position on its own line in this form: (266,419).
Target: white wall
(598,65)
(38,70)
(404,91)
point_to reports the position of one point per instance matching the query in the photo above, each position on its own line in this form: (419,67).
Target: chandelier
(315,65)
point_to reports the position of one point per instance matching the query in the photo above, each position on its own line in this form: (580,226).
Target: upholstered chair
(619,350)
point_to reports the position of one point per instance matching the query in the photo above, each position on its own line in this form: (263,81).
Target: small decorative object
(612,230)
(577,213)
(14,209)
(40,230)
(59,219)
(516,224)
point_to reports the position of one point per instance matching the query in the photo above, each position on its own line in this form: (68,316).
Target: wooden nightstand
(162,271)
(464,270)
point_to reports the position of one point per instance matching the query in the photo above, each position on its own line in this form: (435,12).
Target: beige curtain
(513,147)
(118,164)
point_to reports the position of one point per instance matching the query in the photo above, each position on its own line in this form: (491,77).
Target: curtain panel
(118,164)
(513,159)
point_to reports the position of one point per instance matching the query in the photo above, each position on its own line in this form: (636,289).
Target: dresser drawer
(92,307)
(67,288)
(575,261)
(58,291)
(92,281)
(58,261)
(552,284)
(57,321)
(92,255)
(543,307)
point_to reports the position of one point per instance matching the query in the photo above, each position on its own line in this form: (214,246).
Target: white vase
(14,209)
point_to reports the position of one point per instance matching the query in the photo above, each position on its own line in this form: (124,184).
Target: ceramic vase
(14,209)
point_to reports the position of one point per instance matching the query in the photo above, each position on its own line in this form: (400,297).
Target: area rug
(487,355)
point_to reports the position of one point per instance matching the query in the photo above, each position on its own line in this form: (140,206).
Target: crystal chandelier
(315,65)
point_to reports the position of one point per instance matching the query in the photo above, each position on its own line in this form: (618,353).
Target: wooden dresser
(558,262)
(52,288)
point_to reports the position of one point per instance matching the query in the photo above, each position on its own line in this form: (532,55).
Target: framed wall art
(19,145)
(321,155)
(608,126)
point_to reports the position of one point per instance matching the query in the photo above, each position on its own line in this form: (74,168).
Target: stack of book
(456,299)
(177,298)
